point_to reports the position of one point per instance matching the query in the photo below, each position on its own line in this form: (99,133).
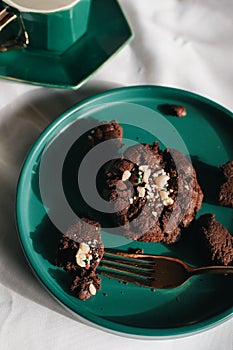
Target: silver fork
(154,271)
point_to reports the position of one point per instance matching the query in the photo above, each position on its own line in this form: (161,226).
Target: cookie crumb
(178,111)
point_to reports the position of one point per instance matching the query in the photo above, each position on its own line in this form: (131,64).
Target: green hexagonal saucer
(105,36)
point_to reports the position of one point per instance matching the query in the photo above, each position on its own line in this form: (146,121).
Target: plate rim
(107,325)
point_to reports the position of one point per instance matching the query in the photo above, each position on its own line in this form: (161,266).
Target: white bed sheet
(181,43)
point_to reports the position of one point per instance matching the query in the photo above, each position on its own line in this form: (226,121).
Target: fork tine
(133,259)
(125,268)
(136,263)
(142,282)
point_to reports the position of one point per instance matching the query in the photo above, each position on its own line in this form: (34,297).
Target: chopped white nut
(81,254)
(154,214)
(186,186)
(141,191)
(168,201)
(148,187)
(80,258)
(143,167)
(165,198)
(162,180)
(126,175)
(131,200)
(146,175)
(163,195)
(84,247)
(92,289)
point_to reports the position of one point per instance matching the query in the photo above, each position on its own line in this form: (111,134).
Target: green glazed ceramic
(55,30)
(81,55)
(205,134)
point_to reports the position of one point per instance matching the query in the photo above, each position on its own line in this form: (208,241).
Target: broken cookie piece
(79,252)
(225,196)
(217,240)
(105,131)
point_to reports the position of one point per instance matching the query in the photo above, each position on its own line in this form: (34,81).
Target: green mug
(52,25)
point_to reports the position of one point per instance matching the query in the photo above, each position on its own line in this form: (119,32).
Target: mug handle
(7,15)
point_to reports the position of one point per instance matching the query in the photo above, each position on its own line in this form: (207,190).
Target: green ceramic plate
(106,34)
(206,135)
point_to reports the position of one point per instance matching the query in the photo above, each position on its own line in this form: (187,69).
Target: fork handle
(212,270)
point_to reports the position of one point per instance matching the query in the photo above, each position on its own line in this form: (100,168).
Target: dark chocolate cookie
(155,193)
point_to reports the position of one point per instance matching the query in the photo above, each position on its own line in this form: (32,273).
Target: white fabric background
(181,43)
